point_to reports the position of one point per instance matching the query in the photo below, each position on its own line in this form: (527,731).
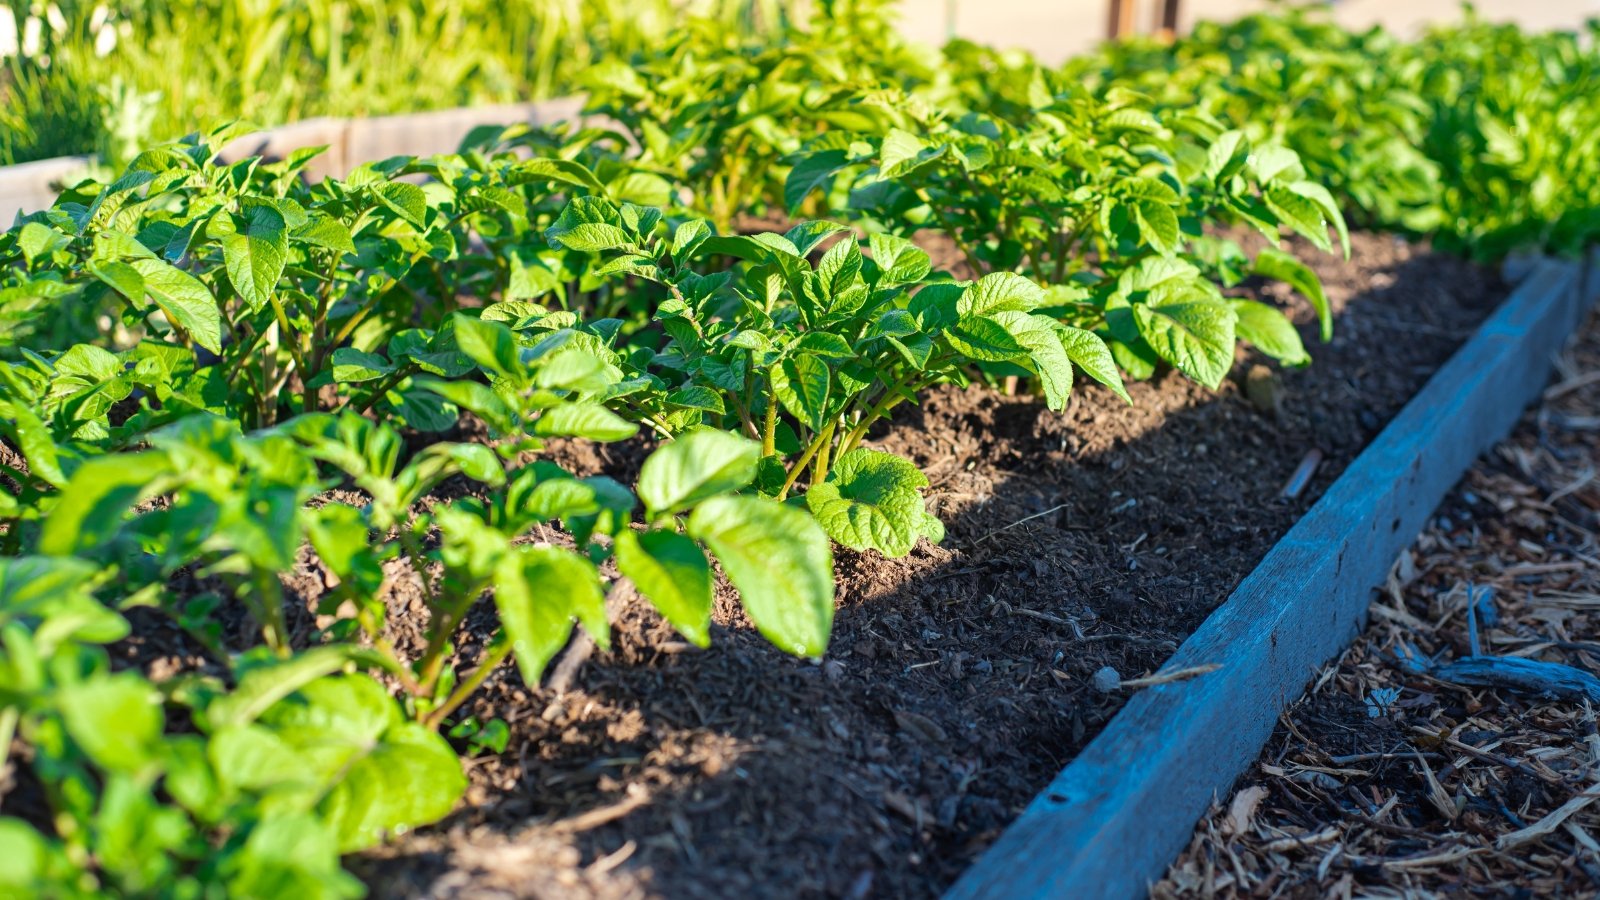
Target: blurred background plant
(104,78)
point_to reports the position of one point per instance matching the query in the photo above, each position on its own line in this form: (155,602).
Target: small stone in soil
(1106,680)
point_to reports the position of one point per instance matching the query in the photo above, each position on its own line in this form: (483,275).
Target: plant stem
(286,334)
(799,466)
(819,469)
(491,660)
(8,729)
(384,387)
(769,434)
(269,611)
(894,396)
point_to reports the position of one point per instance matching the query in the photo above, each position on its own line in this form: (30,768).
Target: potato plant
(1470,133)
(716,111)
(1104,204)
(806,356)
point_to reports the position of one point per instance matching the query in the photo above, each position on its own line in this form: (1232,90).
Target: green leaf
(352,365)
(902,261)
(1196,336)
(1137,358)
(903,153)
(801,384)
(982,338)
(1226,156)
(779,559)
(1319,195)
(871,500)
(476,398)
(1300,213)
(565,171)
(1047,354)
(185,301)
(255,256)
(672,573)
(37,444)
(289,856)
(1274,263)
(490,345)
(1270,332)
(263,685)
(1158,225)
(538,590)
(30,864)
(585,420)
(694,467)
(1090,353)
(407,201)
(814,172)
(999,291)
(116,719)
(840,265)
(325,232)
(36,239)
(378,773)
(120,277)
(588,225)
(92,503)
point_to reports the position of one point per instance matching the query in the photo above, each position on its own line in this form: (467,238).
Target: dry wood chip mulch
(1385,782)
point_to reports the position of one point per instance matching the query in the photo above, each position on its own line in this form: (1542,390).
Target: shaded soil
(959,680)
(1385,781)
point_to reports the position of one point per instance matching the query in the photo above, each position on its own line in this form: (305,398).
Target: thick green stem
(819,468)
(491,660)
(769,433)
(8,730)
(269,611)
(799,466)
(384,387)
(286,334)
(896,394)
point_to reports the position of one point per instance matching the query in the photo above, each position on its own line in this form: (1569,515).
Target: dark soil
(958,682)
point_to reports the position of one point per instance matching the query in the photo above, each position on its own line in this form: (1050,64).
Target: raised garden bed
(962,676)
(345,519)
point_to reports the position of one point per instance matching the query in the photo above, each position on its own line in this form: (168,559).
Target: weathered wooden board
(1112,821)
(31,186)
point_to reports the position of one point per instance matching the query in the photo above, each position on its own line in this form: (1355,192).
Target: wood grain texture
(29,187)
(1111,822)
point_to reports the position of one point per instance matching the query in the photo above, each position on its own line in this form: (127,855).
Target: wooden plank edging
(31,186)
(1115,817)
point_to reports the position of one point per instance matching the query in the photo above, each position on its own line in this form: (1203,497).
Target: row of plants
(210,359)
(218,375)
(1476,133)
(110,77)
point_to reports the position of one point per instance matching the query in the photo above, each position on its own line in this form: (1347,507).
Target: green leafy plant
(716,110)
(1106,205)
(807,356)
(299,762)
(176,64)
(1469,133)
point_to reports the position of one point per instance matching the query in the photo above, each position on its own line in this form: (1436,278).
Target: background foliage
(112,77)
